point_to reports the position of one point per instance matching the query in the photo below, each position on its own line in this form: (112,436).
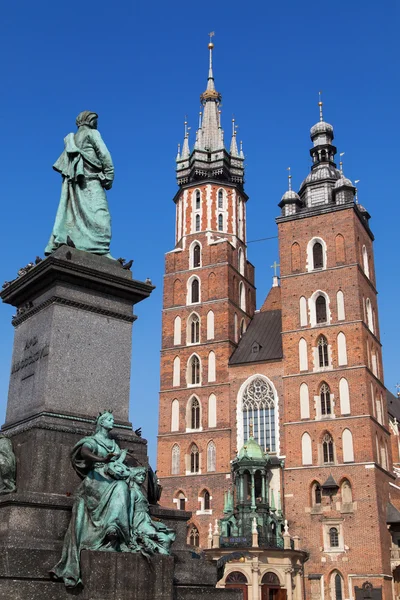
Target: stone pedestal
(71,360)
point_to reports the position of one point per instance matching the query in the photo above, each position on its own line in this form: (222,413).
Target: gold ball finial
(210,46)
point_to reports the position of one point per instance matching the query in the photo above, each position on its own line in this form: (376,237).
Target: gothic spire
(211,138)
(234,148)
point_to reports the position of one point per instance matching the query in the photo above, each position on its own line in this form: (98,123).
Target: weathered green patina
(7,466)
(87,170)
(110,511)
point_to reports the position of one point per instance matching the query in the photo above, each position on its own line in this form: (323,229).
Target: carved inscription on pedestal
(33,352)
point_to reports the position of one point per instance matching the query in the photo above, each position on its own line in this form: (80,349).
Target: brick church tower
(336,439)
(209,298)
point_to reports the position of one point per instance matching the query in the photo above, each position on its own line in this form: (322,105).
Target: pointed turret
(209,158)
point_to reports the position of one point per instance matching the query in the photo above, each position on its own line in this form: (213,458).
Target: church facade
(304,372)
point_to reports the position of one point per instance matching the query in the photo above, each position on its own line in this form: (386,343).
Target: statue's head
(88,118)
(138,474)
(105,419)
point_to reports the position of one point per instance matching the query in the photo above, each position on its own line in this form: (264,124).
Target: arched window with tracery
(259,406)
(211,457)
(196,255)
(194,413)
(328,456)
(320,309)
(325,400)
(194,371)
(176,458)
(194,537)
(323,357)
(236,577)
(194,329)
(194,459)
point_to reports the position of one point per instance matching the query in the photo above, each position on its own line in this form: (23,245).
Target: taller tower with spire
(209,298)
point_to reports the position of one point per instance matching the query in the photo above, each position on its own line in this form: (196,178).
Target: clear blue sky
(141,66)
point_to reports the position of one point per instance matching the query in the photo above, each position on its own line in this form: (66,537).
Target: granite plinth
(73,329)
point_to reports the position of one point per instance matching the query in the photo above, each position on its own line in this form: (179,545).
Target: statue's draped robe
(148,534)
(83,215)
(102,505)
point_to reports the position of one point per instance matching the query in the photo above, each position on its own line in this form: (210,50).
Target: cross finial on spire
(356,198)
(398,389)
(210,47)
(275,267)
(233,126)
(341,162)
(290,181)
(320,104)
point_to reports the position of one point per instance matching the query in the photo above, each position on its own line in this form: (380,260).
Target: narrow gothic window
(197,222)
(194,370)
(259,406)
(196,256)
(181,501)
(317,494)
(318,256)
(195,290)
(195,414)
(338,587)
(325,396)
(194,459)
(176,455)
(194,539)
(333,537)
(206,499)
(323,351)
(220,199)
(220,222)
(327,449)
(194,329)
(320,309)
(197,200)
(211,457)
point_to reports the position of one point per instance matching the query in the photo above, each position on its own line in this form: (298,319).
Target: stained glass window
(259,407)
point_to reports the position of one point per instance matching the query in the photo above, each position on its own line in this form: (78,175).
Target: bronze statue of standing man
(83,218)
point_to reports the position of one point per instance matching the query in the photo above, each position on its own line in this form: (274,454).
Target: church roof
(262,340)
(392,514)
(252,450)
(393,405)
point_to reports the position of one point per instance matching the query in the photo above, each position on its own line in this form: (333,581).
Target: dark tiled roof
(392,514)
(264,333)
(393,405)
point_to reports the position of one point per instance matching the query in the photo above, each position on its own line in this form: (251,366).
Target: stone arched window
(194,413)
(325,400)
(258,405)
(318,256)
(194,367)
(220,222)
(328,455)
(177,331)
(242,296)
(194,536)
(241,261)
(342,349)
(212,410)
(242,327)
(304,402)
(303,358)
(194,329)
(181,501)
(175,415)
(336,586)
(346,492)
(220,200)
(303,312)
(306,449)
(365,261)
(347,444)
(236,577)
(344,394)
(197,223)
(194,290)
(196,256)
(340,306)
(323,355)
(194,459)
(334,537)
(370,320)
(316,493)
(210,325)
(175,459)
(205,500)
(211,457)
(176,373)
(197,204)
(320,309)
(211,367)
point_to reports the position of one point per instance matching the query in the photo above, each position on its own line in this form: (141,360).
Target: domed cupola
(323,151)
(343,190)
(290,201)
